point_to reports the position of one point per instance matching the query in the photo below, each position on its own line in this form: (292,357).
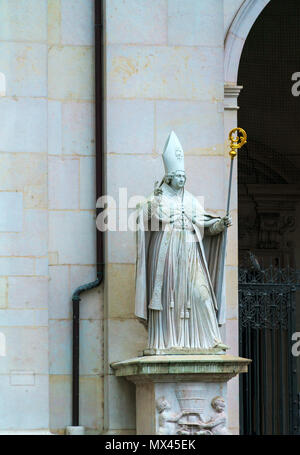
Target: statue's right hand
(157,190)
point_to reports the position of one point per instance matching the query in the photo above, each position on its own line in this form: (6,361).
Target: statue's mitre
(173,156)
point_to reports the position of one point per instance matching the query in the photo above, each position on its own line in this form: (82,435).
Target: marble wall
(71,208)
(47,245)
(24,226)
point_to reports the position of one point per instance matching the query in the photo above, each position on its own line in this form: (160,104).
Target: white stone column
(231,93)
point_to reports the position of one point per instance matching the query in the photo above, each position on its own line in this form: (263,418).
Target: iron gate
(268,392)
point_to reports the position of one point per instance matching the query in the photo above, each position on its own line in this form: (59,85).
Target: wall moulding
(231,94)
(237,34)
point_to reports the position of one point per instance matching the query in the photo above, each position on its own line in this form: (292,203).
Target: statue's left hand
(227,220)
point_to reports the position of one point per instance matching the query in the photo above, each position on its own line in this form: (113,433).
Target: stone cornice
(166,368)
(231,93)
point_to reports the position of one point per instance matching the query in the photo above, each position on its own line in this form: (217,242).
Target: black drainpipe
(76,297)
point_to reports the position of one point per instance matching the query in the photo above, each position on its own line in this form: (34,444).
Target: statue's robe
(179,281)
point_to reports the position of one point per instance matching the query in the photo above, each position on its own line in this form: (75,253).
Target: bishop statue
(179,278)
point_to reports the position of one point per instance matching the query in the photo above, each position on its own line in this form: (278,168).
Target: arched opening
(269,221)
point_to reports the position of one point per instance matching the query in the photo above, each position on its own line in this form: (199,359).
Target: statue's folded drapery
(179,284)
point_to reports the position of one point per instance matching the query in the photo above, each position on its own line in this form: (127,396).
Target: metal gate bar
(269,401)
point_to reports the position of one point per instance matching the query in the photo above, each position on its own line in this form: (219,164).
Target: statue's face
(178,180)
(219,406)
(163,405)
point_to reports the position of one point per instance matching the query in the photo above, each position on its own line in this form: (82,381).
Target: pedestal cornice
(206,368)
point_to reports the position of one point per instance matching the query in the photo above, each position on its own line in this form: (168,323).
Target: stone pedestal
(181,394)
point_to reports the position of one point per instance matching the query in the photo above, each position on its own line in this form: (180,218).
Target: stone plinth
(181,394)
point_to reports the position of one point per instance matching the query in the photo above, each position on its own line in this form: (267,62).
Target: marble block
(181,394)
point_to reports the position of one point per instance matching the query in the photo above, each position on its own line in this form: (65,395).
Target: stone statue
(178,277)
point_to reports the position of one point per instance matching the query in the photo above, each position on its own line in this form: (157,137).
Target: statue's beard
(177,187)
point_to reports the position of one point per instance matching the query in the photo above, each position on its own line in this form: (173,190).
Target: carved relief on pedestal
(190,420)
(166,418)
(217,423)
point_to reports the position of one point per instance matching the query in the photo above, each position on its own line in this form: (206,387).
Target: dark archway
(269,220)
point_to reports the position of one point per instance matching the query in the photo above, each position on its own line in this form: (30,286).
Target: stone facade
(48,198)
(164,70)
